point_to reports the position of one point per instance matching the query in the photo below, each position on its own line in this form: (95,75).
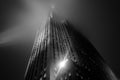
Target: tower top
(51,10)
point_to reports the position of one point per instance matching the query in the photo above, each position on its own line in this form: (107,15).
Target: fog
(20,19)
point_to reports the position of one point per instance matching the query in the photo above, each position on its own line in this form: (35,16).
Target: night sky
(19,20)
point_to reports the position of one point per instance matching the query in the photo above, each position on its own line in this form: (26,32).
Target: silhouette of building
(60,41)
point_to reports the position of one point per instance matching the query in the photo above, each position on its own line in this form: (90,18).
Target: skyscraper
(61,53)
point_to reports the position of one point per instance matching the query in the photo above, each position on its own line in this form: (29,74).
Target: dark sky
(96,19)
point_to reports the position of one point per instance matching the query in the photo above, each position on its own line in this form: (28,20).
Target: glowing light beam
(62,64)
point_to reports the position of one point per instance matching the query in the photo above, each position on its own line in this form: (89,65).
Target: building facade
(58,42)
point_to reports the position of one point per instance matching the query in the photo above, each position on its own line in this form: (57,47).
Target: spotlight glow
(62,64)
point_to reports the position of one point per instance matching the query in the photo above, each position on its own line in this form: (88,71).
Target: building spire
(51,10)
